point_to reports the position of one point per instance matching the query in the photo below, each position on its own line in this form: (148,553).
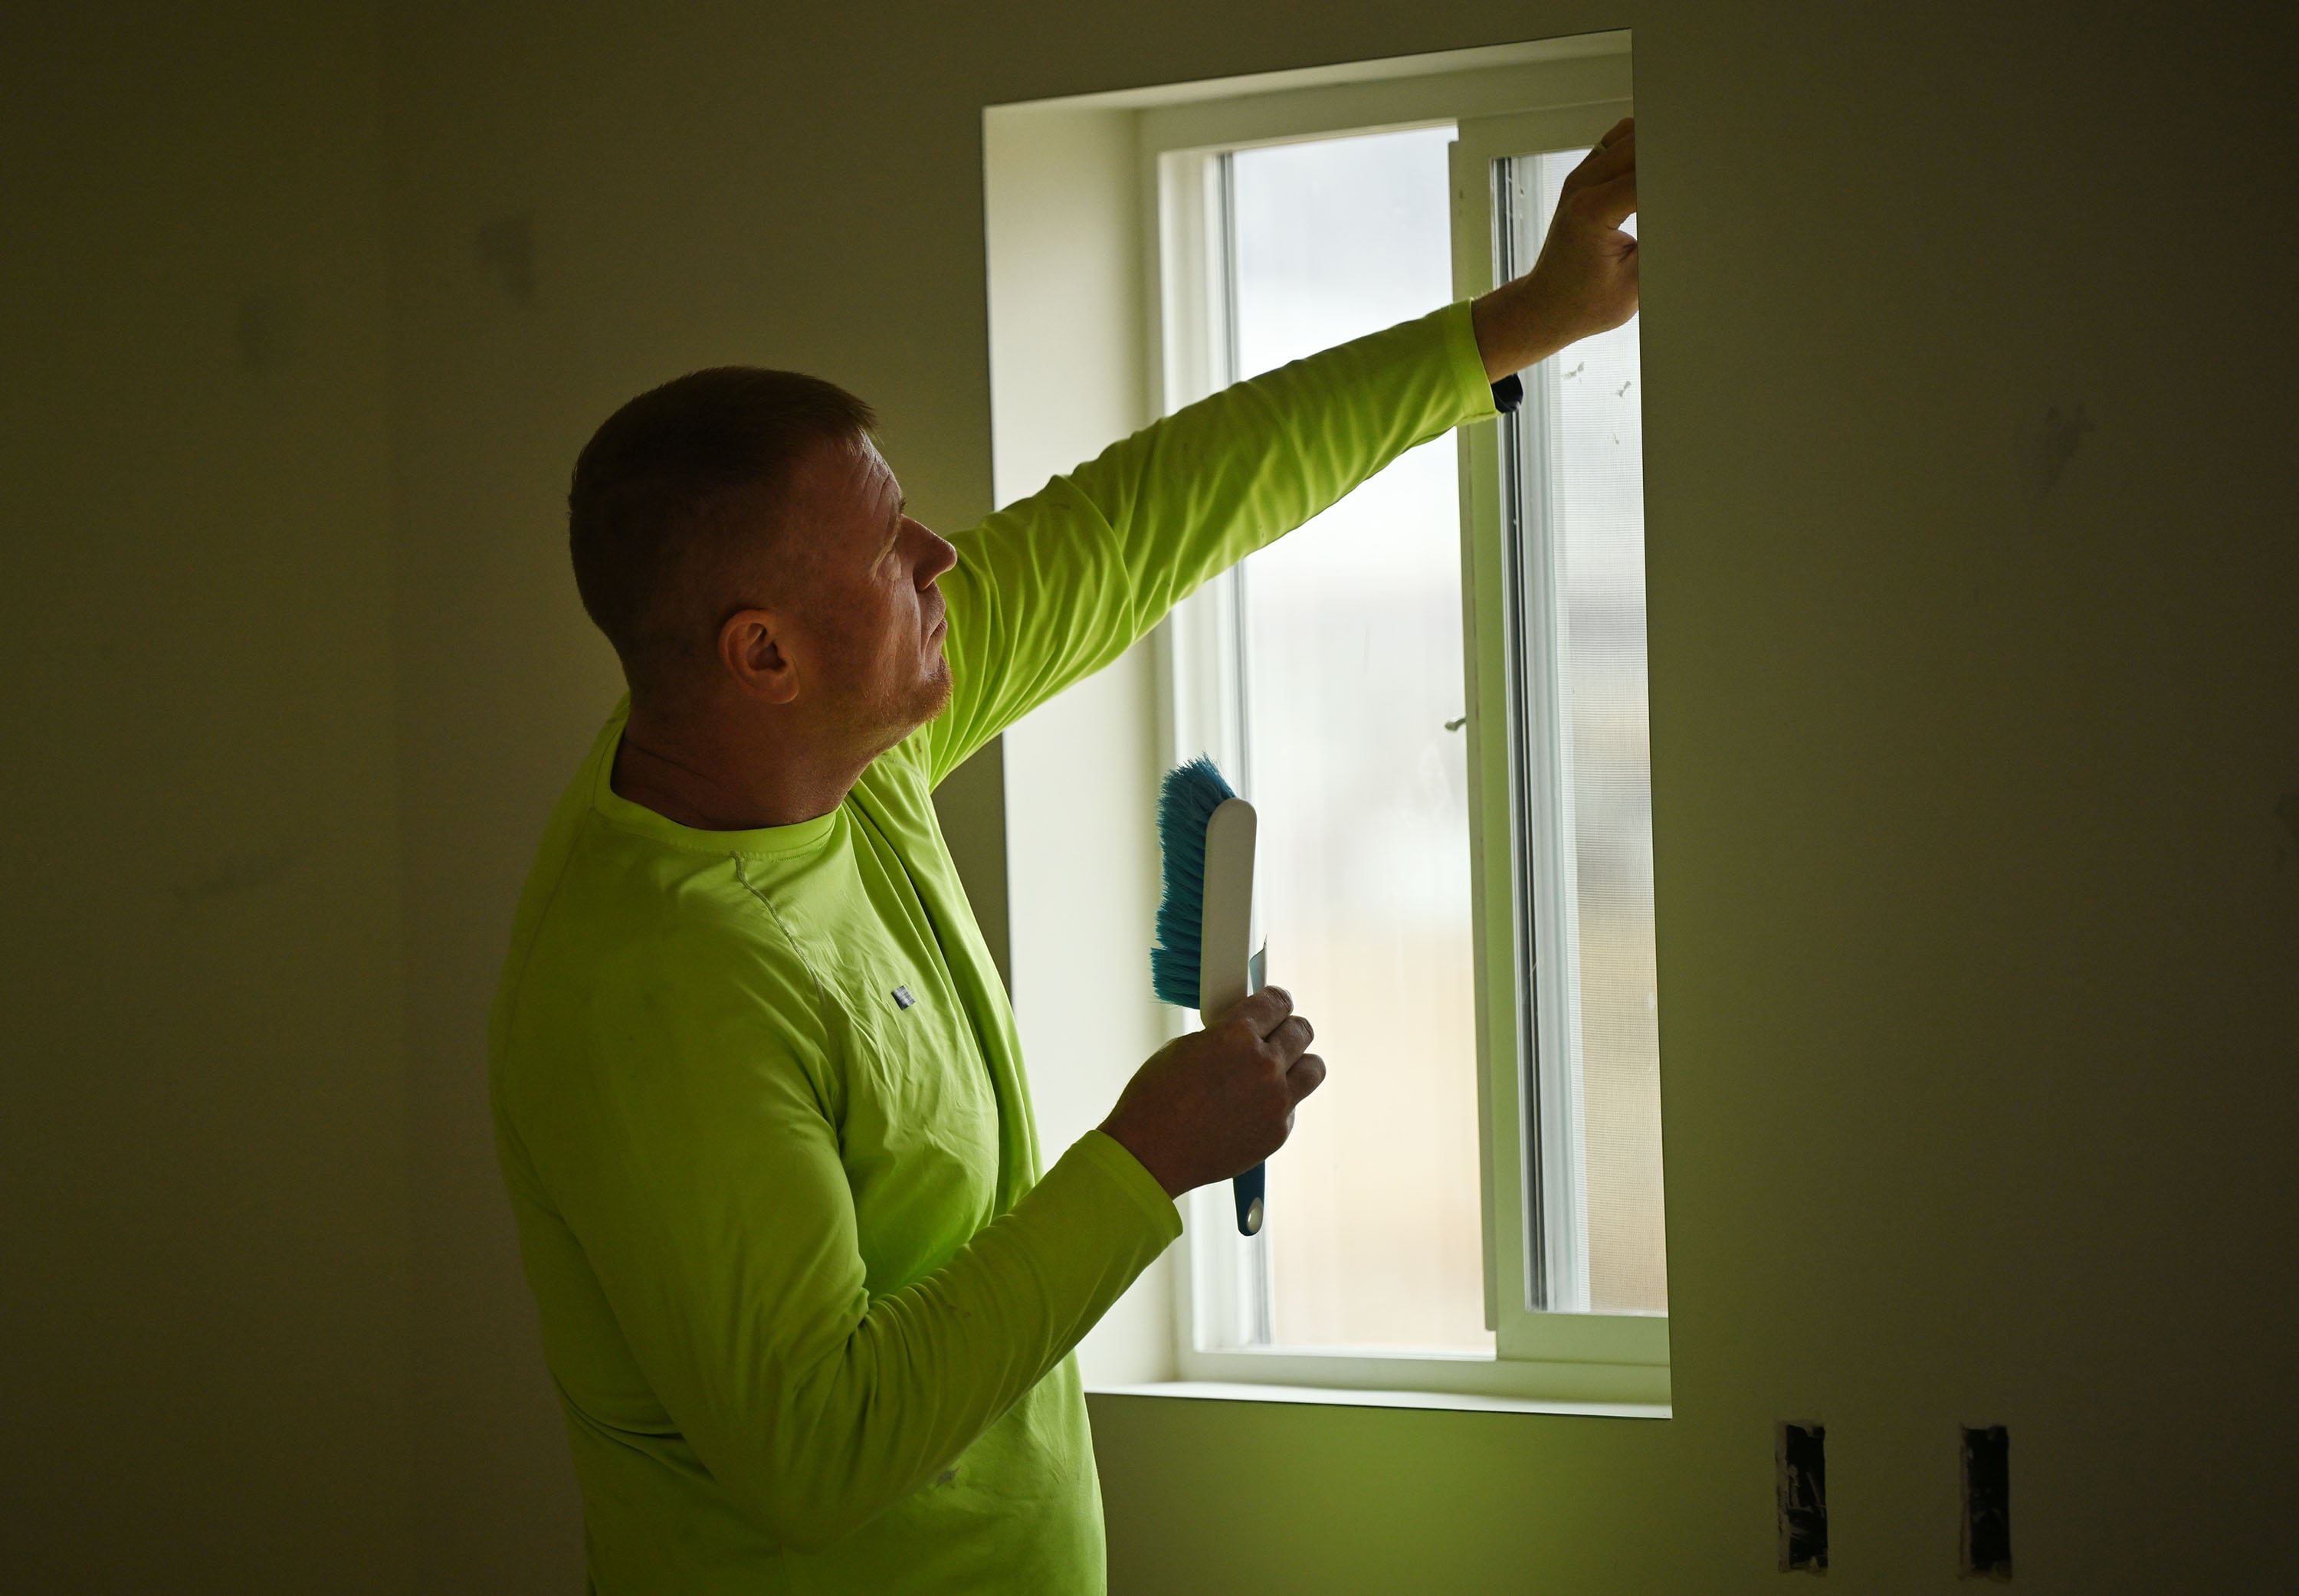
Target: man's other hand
(1216,1102)
(1585,281)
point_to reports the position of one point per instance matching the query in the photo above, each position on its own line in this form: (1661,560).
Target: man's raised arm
(1057,585)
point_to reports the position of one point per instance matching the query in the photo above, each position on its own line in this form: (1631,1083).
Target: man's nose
(938,555)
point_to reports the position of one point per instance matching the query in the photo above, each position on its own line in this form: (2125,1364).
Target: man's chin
(897,718)
(932,699)
(936,691)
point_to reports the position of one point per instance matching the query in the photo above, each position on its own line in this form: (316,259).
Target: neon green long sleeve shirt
(808,1299)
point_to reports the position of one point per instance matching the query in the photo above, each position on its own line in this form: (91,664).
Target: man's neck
(713,776)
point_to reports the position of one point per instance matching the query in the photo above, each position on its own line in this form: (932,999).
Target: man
(808,1299)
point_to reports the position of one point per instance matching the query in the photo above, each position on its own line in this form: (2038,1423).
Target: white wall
(204,1268)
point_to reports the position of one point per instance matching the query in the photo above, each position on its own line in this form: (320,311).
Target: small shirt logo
(902,999)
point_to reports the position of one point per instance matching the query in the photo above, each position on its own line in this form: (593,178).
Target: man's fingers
(1293,1038)
(1607,161)
(1306,1075)
(1265,1010)
(1609,205)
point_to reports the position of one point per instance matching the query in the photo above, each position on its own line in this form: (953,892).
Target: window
(1435,694)
(1454,819)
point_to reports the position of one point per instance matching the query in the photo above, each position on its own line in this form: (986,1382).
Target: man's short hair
(677,486)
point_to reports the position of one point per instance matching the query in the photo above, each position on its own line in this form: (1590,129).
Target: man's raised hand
(1585,281)
(1216,1102)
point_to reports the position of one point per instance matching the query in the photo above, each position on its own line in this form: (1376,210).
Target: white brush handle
(1226,933)
(1226,961)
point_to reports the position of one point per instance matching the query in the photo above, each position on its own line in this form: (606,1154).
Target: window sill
(1589,1363)
(1334,1397)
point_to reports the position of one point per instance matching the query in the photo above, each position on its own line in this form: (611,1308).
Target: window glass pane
(1594,448)
(1352,670)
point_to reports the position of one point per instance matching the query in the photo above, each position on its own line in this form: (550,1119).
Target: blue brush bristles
(1186,803)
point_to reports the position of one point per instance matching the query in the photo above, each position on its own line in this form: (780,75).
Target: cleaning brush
(1206,956)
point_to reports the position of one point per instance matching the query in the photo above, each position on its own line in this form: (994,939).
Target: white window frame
(1522,100)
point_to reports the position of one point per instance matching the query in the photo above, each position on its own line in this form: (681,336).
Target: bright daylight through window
(1354,754)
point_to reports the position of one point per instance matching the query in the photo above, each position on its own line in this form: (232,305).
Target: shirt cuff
(1124,1170)
(1477,395)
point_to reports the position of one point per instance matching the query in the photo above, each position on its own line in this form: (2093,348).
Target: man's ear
(752,653)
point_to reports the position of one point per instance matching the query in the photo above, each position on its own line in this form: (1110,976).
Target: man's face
(871,616)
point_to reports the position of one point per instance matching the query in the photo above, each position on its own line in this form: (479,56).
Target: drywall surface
(203,1279)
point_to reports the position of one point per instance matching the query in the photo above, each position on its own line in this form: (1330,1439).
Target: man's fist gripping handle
(1213,1103)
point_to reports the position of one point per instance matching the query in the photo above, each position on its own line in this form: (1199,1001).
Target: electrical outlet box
(1800,1459)
(1986,1540)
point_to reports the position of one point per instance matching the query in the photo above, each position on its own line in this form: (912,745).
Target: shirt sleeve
(1055,586)
(705,1187)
